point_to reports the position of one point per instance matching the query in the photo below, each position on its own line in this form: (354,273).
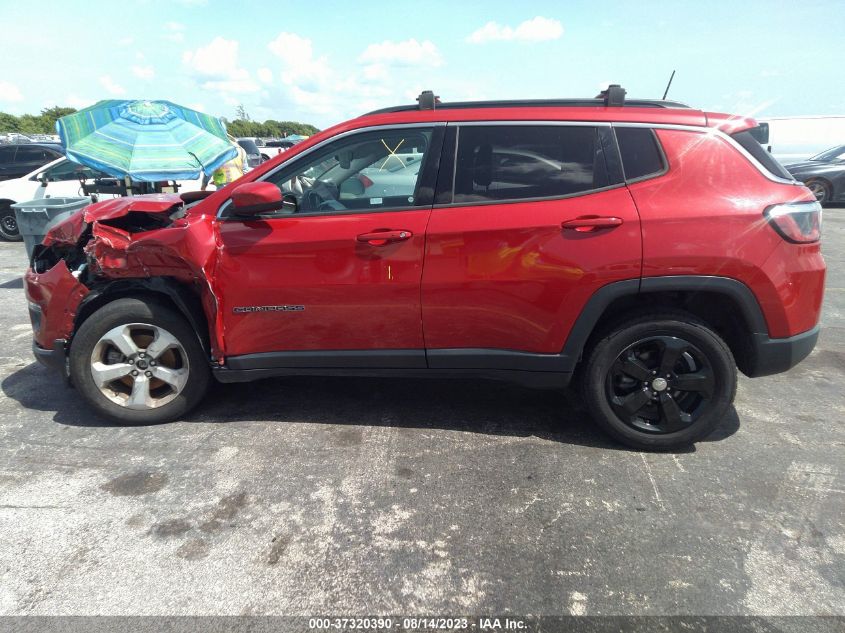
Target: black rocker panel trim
(478,358)
(331,359)
(532,379)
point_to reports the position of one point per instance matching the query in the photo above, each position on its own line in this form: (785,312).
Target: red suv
(645,247)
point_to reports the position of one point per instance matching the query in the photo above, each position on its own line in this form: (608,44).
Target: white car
(59,179)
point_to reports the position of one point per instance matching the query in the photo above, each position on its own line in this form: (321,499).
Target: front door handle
(590,223)
(381,237)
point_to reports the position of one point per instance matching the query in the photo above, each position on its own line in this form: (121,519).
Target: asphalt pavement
(311,496)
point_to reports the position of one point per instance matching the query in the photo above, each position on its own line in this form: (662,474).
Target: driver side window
(363,172)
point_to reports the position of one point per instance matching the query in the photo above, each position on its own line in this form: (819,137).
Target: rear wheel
(9,230)
(659,381)
(138,362)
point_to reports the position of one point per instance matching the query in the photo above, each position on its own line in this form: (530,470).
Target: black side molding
(477,358)
(530,379)
(331,359)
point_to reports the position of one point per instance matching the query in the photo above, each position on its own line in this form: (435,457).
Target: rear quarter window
(641,155)
(750,145)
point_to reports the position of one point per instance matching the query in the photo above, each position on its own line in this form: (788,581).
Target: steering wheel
(312,201)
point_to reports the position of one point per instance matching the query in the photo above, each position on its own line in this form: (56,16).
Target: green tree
(31,124)
(9,123)
(51,115)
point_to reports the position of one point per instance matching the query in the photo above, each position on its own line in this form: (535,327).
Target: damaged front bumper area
(53,298)
(113,240)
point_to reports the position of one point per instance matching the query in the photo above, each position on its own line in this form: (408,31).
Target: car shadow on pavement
(477,406)
(16,283)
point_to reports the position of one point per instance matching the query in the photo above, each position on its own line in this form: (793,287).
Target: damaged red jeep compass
(645,246)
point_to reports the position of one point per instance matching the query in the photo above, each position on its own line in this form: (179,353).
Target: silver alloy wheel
(139,366)
(818,189)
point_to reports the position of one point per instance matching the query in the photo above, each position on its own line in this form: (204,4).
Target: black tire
(9,225)
(820,188)
(626,366)
(123,312)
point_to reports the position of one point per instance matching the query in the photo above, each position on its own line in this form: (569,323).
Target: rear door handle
(589,223)
(381,237)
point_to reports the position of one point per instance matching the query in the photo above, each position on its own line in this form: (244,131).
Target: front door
(337,281)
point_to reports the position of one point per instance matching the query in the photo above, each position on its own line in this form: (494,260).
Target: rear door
(528,223)
(337,282)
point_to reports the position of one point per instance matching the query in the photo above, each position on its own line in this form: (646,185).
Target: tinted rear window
(249,146)
(501,162)
(641,155)
(750,144)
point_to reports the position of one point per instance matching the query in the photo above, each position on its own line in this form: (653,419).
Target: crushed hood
(70,230)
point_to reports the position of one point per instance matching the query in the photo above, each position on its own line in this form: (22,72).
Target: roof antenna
(669,84)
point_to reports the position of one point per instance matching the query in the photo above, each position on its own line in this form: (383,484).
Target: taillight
(798,222)
(365,181)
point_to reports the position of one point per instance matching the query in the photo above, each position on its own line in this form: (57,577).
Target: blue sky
(324,61)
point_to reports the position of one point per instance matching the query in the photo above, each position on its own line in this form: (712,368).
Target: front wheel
(820,189)
(9,230)
(138,362)
(660,381)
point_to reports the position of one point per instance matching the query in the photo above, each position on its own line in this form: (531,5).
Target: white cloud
(265,75)
(538,29)
(216,64)
(74,101)
(298,62)
(111,87)
(143,72)
(9,92)
(311,87)
(406,53)
(218,58)
(245,85)
(174,31)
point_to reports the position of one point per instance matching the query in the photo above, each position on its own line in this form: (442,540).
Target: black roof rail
(613,96)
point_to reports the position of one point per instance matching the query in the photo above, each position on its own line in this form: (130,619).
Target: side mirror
(42,178)
(252,198)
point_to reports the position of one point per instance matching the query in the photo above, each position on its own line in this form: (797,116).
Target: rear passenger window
(640,152)
(501,162)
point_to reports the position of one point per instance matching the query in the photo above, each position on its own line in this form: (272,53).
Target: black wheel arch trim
(186,302)
(604,296)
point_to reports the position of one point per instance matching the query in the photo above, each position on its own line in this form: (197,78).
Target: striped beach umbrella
(148,141)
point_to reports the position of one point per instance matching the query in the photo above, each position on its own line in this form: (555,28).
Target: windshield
(835,153)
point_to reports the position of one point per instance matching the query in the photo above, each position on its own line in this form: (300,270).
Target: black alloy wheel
(660,384)
(658,381)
